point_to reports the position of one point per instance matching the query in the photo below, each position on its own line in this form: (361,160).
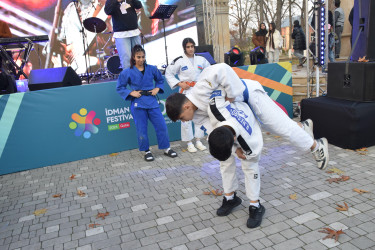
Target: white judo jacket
(182,67)
(238,116)
(216,80)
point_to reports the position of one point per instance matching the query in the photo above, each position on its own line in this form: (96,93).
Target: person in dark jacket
(125,26)
(259,37)
(299,44)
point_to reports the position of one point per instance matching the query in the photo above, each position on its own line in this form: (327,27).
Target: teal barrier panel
(60,125)
(54,126)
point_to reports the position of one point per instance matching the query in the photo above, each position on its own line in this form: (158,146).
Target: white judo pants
(187,133)
(274,119)
(250,169)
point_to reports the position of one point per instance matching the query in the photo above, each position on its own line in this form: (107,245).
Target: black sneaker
(228,206)
(255,216)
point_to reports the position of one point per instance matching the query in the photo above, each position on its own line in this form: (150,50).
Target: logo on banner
(84,124)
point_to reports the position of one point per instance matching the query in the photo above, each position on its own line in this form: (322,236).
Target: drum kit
(112,65)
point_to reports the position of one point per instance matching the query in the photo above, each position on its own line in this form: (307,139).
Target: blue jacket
(132,79)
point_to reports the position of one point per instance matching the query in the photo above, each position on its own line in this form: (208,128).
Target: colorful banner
(54,126)
(276,79)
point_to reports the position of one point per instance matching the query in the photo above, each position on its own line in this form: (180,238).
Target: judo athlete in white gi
(136,84)
(236,131)
(221,80)
(187,67)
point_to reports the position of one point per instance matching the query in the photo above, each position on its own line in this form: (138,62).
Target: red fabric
(155,22)
(282,107)
(32,4)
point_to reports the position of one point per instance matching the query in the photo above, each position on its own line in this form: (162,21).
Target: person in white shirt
(274,43)
(187,69)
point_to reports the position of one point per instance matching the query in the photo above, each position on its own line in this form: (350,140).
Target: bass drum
(113,65)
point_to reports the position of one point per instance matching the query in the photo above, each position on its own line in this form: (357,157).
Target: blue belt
(246,100)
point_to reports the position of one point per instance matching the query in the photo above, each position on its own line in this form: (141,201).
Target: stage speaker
(53,78)
(357,85)
(205,48)
(345,124)
(364,17)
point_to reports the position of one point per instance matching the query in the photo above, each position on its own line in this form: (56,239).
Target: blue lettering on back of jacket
(215,93)
(184,68)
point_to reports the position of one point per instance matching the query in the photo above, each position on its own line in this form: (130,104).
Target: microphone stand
(83,40)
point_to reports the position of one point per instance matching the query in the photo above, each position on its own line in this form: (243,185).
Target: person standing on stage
(187,67)
(125,26)
(299,44)
(136,84)
(259,37)
(339,26)
(274,42)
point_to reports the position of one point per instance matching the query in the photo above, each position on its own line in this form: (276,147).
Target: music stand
(164,12)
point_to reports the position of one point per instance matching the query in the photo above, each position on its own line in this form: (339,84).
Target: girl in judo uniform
(136,84)
(187,67)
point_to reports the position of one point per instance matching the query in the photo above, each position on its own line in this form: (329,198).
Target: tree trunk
(261,11)
(278,14)
(303,24)
(290,24)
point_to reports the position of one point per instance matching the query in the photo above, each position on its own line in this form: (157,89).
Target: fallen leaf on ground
(276,136)
(94,225)
(216,192)
(56,195)
(81,193)
(113,154)
(361,149)
(344,207)
(40,211)
(362,153)
(362,59)
(268,133)
(332,234)
(293,196)
(331,180)
(360,191)
(184,150)
(102,215)
(73,176)
(344,178)
(335,170)
(337,180)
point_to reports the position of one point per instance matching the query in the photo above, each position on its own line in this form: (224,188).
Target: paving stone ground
(161,205)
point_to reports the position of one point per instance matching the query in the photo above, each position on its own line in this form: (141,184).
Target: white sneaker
(308,127)
(321,154)
(200,145)
(191,148)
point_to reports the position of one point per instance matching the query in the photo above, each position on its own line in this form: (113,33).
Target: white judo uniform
(239,117)
(186,71)
(221,80)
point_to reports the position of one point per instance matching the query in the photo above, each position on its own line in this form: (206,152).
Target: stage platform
(54,126)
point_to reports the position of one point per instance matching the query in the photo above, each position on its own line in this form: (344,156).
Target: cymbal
(94,24)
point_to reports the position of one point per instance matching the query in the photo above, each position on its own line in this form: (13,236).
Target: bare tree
(241,13)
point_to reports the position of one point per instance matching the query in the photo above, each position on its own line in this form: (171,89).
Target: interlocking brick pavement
(161,205)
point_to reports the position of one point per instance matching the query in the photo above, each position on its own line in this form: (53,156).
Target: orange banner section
(264,81)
